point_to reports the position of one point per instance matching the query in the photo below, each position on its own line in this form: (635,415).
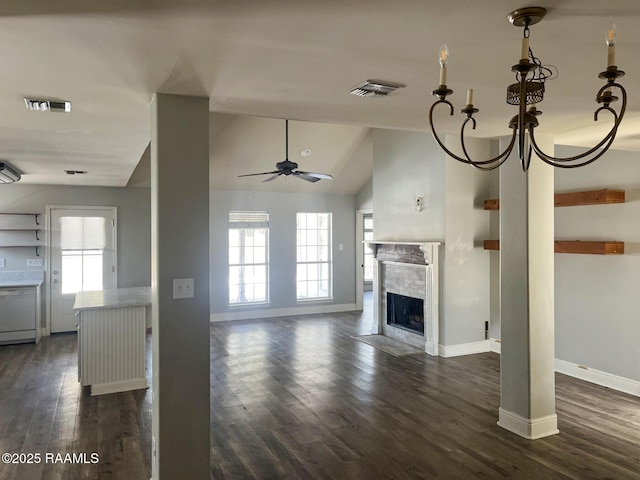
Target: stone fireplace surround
(410,269)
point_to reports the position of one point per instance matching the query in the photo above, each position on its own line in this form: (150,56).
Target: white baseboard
(460,349)
(604,379)
(495,345)
(122,386)
(598,377)
(531,429)
(281,312)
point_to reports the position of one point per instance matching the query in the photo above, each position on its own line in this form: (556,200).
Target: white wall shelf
(19,224)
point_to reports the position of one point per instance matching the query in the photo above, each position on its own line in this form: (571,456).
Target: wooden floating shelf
(593,197)
(493,204)
(492,244)
(574,246)
(572,199)
(590,248)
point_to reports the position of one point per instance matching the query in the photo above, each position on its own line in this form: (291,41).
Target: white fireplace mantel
(428,248)
(430,279)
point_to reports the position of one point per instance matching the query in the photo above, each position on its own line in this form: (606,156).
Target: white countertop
(21,278)
(119,297)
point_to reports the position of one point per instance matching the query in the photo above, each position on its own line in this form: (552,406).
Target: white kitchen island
(112,339)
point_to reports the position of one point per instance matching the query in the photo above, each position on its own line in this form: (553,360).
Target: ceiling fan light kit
(287,167)
(8,174)
(528,91)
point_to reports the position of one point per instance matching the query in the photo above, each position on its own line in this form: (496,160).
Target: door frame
(360,256)
(48,210)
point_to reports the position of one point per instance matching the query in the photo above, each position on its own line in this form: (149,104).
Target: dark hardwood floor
(297,397)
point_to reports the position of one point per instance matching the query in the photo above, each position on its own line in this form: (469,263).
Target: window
(313,252)
(368,253)
(248,257)
(82,245)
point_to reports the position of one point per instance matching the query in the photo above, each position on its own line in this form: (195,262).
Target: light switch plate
(182,288)
(34,262)
(2,263)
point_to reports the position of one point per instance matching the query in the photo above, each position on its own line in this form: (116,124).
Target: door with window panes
(82,258)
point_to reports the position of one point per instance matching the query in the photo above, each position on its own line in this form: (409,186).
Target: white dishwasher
(18,309)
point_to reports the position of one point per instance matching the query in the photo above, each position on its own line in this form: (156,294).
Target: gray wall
(180,245)
(410,164)
(494,262)
(134,223)
(597,302)
(282,209)
(364,198)
(407,165)
(466,263)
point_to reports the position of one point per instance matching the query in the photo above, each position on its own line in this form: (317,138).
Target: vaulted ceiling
(286,59)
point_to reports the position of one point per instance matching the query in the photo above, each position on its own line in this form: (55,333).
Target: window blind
(248,220)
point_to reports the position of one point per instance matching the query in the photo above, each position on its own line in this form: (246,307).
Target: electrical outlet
(3,264)
(183,288)
(34,262)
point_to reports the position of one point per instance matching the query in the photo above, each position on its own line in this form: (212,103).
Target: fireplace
(405,312)
(406,285)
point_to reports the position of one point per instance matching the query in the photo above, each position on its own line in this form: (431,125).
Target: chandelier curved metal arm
(606,97)
(529,89)
(489,164)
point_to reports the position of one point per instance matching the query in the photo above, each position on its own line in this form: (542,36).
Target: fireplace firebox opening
(405,312)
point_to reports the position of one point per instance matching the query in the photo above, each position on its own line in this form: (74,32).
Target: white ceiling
(286,59)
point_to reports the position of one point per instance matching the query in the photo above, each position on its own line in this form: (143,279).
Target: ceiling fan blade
(306,177)
(263,173)
(272,178)
(319,176)
(288,167)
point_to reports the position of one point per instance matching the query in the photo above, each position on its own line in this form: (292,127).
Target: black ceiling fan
(288,167)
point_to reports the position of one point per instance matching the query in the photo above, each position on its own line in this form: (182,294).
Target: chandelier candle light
(528,90)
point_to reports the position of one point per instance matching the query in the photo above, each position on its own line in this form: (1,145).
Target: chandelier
(528,90)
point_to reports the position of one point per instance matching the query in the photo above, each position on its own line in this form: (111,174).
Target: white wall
(282,209)
(407,165)
(597,303)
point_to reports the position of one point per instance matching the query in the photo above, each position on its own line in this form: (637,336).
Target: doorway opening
(364,255)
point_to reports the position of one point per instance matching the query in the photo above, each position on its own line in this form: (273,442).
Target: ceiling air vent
(375,88)
(42,105)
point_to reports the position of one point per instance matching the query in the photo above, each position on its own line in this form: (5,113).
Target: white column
(376,324)
(527,377)
(180,250)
